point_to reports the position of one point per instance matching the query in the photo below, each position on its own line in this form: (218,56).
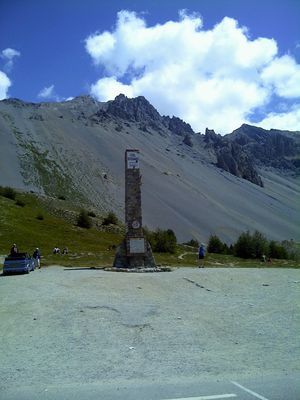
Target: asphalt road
(192,333)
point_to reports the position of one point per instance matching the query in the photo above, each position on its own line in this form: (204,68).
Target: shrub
(83,220)
(277,251)
(61,197)
(91,214)
(111,218)
(40,217)
(8,192)
(215,245)
(162,241)
(230,249)
(251,246)
(20,203)
(243,247)
(260,244)
(292,249)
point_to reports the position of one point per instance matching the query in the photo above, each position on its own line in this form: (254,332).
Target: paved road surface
(192,333)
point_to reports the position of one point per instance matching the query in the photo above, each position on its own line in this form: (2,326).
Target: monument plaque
(137,245)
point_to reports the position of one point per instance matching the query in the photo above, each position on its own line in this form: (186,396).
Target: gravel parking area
(63,326)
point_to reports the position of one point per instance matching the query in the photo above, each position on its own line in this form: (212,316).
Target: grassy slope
(219,260)
(19,225)
(87,247)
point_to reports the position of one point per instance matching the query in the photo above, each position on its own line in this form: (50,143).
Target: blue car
(18,263)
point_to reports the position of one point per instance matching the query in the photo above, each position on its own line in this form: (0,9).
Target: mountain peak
(84,99)
(136,109)
(120,97)
(178,126)
(249,130)
(18,103)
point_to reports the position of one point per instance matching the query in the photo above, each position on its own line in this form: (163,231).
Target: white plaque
(133,160)
(137,245)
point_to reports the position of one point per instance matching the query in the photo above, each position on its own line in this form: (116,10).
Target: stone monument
(135,251)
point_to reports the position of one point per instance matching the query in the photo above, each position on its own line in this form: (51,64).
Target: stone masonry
(134,251)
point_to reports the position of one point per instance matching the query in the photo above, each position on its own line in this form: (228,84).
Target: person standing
(37,258)
(14,250)
(201,255)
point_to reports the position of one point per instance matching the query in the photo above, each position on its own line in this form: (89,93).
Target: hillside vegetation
(34,224)
(31,221)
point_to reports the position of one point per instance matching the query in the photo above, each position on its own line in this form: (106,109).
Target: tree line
(253,245)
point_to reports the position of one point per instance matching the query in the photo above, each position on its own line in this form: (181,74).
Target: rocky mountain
(196,184)
(247,148)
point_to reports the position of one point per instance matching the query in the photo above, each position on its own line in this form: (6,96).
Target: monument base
(135,261)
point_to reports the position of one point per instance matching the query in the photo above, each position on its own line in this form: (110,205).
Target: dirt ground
(63,326)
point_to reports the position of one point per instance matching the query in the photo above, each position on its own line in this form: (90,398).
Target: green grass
(87,247)
(217,260)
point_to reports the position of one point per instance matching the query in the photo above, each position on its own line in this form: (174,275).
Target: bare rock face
(240,153)
(249,147)
(137,109)
(177,126)
(188,140)
(213,139)
(278,149)
(233,158)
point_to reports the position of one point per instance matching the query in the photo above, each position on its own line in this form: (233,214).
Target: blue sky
(217,64)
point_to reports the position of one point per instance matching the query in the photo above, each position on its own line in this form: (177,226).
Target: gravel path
(85,326)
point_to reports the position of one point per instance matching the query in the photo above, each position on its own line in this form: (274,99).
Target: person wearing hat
(201,254)
(37,258)
(14,250)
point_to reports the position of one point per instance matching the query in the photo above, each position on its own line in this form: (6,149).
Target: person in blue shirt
(201,254)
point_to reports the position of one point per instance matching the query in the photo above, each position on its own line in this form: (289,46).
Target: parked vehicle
(18,263)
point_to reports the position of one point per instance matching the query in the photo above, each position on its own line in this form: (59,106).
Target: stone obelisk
(134,251)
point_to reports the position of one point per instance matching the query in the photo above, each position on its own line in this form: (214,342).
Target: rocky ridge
(76,149)
(239,153)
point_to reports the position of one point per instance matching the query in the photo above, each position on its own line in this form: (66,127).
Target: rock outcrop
(75,149)
(250,147)
(232,158)
(278,149)
(239,153)
(177,126)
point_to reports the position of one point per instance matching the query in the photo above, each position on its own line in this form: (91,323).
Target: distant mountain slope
(195,184)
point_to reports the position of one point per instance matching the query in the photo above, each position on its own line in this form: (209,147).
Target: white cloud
(48,93)
(110,88)
(286,121)
(4,85)
(8,55)
(210,78)
(283,74)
